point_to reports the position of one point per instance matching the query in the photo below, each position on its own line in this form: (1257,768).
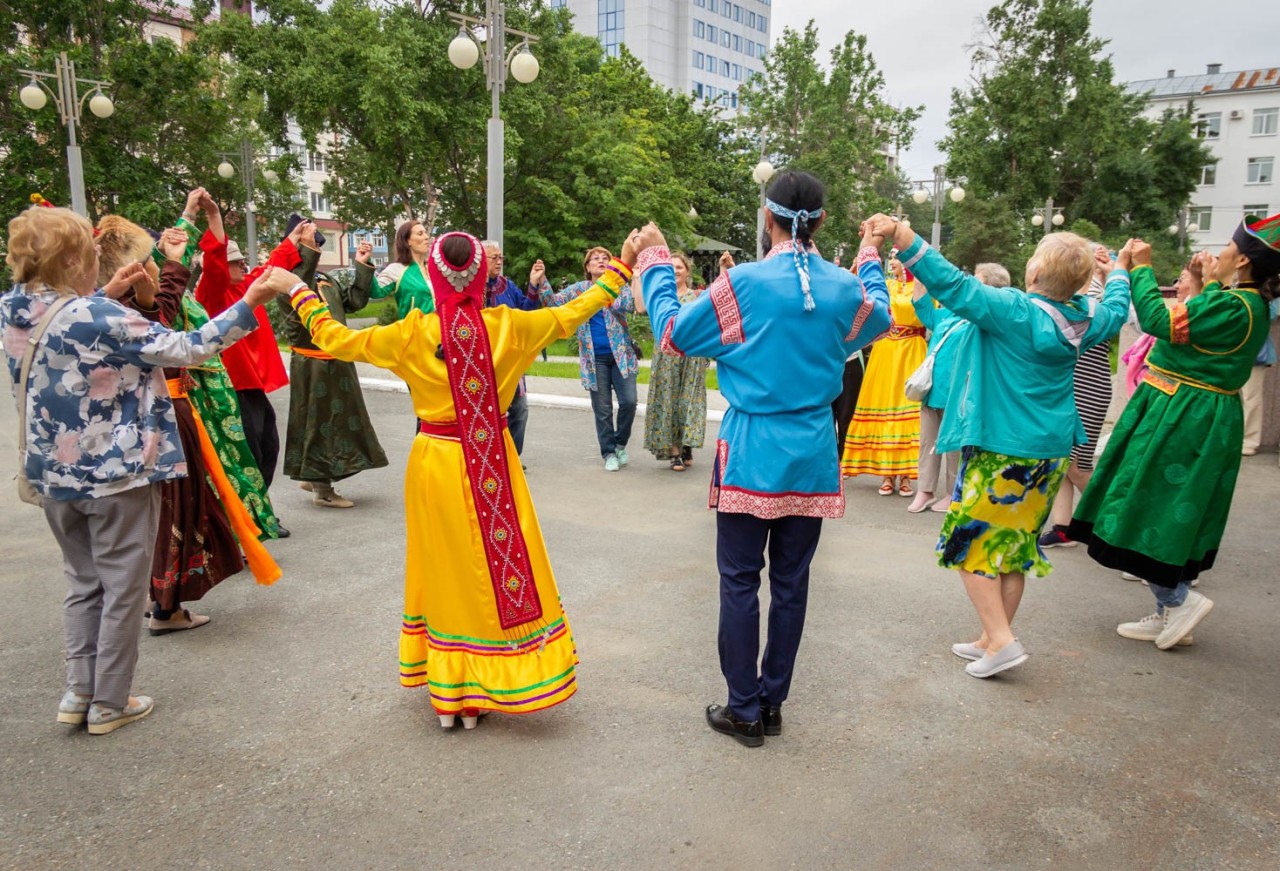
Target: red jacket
(253,363)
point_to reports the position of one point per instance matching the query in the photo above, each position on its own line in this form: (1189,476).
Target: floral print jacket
(99,417)
(615,322)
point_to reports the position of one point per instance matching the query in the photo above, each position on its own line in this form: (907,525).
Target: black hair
(1269,287)
(799,191)
(456,251)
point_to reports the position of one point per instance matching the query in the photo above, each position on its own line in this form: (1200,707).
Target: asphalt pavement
(281,738)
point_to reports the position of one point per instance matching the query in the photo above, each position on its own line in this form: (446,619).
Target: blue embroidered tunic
(99,417)
(779,366)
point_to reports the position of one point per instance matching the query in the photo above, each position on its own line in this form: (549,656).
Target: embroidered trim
(771,506)
(1180,324)
(904,332)
(668,346)
(458,278)
(717,472)
(728,315)
(1168,376)
(866,254)
(655,256)
(915,258)
(471,381)
(864,312)
(788,246)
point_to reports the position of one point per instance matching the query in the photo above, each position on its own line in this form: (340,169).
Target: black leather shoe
(720,718)
(771,717)
(281,532)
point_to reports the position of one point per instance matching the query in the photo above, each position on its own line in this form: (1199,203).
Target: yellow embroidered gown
(451,639)
(884,435)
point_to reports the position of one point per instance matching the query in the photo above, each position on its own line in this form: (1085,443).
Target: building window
(751,20)
(714,5)
(737,72)
(724,68)
(760,49)
(762,24)
(711,65)
(315,161)
(558,4)
(610,24)
(1260,170)
(1210,125)
(697,89)
(1259,209)
(319,202)
(1209,174)
(713,35)
(726,9)
(378,240)
(701,4)
(737,14)
(751,48)
(1201,216)
(1264,121)
(699,29)
(726,39)
(737,42)
(698,60)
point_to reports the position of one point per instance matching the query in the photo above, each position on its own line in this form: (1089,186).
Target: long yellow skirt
(452,641)
(884,435)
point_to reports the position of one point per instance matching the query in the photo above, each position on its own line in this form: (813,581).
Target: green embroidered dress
(676,407)
(1158,502)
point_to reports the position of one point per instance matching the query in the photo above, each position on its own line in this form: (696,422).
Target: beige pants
(1251,398)
(931,464)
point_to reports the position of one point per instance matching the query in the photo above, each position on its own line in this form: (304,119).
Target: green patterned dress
(215,399)
(329,435)
(1158,502)
(676,407)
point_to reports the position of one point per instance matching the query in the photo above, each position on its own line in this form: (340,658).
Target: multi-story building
(1238,117)
(705,47)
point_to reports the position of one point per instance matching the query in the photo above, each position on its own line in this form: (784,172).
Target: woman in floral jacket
(100,435)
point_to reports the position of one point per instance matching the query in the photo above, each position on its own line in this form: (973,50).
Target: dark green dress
(1158,502)
(329,436)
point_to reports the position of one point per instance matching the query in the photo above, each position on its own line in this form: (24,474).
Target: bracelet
(621,268)
(606,288)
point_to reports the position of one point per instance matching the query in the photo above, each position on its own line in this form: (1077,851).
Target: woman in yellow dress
(884,435)
(483,628)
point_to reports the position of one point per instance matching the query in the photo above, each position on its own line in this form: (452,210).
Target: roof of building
(1208,83)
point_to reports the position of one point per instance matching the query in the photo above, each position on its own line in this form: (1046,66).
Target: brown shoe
(178,621)
(333,500)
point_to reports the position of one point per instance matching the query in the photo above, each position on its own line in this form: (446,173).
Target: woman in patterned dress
(675,419)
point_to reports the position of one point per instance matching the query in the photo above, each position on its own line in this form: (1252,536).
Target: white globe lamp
(100,105)
(463,51)
(920,196)
(1037,220)
(33,96)
(763,172)
(1059,220)
(957,194)
(226,170)
(524,66)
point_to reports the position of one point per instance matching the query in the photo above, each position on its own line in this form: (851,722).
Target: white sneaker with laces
(621,454)
(1179,621)
(1148,629)
(611,463)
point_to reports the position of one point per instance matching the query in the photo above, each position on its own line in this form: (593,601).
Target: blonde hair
(688,263)
(50,247)
(1063,265)
(992,275)
(120,242)
(586,258)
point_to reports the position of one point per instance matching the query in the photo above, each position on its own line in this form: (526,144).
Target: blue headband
(799,250)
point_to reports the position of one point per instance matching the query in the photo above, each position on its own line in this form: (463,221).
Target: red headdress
(459,295)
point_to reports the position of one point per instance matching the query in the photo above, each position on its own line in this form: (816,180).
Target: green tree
(173,114)
(836,124)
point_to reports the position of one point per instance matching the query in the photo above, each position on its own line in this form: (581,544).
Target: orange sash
(314,355)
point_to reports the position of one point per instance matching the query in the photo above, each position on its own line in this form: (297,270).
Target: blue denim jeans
(1169,597)
(609,380)
(518,419)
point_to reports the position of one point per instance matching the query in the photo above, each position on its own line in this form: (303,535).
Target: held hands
(648,236)
(308,235)
(193,203)
(364,251)
(172,244)
(726,261)
(537,274)
(272,282)
(1139,253)
(208,204)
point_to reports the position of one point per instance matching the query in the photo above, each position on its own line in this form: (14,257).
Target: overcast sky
(920,45)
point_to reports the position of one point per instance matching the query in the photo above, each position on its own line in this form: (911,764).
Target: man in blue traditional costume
(780,331)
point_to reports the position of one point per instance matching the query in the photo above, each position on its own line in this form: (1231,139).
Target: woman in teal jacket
(1011,411)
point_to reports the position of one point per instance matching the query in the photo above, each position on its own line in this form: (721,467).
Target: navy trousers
(741,543)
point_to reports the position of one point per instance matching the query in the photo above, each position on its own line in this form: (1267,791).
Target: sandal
(677,464)
(904,488)
(886,489)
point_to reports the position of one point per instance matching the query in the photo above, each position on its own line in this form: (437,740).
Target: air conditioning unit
(1236,114)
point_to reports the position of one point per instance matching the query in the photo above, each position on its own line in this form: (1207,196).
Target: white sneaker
(1181,620)
(621,454)
(1148,629)
(611,463)
(1130,577)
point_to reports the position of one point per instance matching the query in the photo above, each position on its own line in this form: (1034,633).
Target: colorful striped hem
(462,699)
(417,625)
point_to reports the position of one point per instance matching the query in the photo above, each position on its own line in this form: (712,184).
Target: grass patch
(570,370)
(374,309)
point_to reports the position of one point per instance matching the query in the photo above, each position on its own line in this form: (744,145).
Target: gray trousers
(930,463)
(106,546)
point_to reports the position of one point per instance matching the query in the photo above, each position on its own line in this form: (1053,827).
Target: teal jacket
(940,322)
(1012,381)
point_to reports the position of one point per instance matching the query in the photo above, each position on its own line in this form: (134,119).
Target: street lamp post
(464,51)
(1048,216)
(70,106)
(921,194)
(761,174)
(1183,226)
(248,168)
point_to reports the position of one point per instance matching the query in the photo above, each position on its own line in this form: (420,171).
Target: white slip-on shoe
(1010,656)
(971,652)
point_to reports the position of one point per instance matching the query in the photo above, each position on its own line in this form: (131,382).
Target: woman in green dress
(675,420)
(405,278)
(1158,502)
